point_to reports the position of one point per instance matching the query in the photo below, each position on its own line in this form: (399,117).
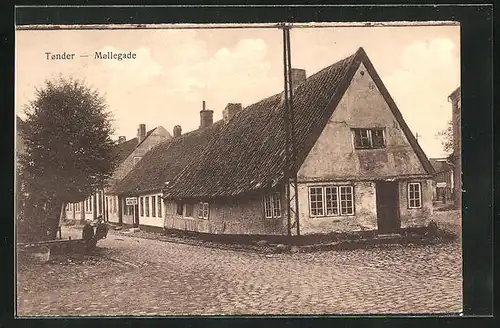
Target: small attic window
(137,159)
(362,72)
(368,138)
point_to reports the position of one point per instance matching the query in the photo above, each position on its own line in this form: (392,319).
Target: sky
(176,69)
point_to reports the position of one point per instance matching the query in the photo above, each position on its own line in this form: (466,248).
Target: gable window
(203,210)
(189,210)
(141,210)
(136,159)
(159,205)
(414,195)
(272,205)
(180,208)
(153,206)
(147,206)
(368,138)
(331,201)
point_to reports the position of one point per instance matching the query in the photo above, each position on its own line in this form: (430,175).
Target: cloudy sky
(176,69)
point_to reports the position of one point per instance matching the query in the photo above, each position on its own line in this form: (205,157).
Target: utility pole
(290,169)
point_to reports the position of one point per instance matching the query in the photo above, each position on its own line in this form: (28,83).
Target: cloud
(427,73)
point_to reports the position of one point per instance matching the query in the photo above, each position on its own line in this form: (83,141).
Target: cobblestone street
(133,276)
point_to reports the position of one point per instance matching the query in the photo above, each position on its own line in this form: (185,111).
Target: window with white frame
(316,203)
(147,205)
(368,138)
(153,206)
(414,195)
(272,205)
(180,207)
(114,204)
(331,201)
(141,210)
(203,210)
(136,159)
(159,205)
(189,210)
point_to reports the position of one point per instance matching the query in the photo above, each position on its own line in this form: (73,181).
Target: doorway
(387,196)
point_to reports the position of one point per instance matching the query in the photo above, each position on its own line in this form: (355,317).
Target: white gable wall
(333,160)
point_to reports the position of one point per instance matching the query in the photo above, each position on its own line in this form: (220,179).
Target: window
(147,206)
(272,205)
(316,201)
(189,210)
(114,205)
(153,206)
(414,195)
(159,204)
(203,210)
(346,203)
(136,159)
(67,207)
(331,201)
(141,210)
(368,138)
(180,206)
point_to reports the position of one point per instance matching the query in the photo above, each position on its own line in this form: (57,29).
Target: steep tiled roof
(247,153)
(166,160)
(124,149)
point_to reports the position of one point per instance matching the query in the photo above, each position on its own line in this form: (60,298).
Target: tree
(68,153)
(446,137)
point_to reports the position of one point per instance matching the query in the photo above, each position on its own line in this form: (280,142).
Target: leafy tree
(68,153)
(446,137)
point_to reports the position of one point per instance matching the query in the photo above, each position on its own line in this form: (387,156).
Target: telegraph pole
(290,170)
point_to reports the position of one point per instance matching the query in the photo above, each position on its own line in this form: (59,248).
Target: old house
(456,156)
(443,180)
(358,165)
(129,153)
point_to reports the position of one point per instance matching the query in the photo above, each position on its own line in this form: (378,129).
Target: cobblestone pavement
(132,276)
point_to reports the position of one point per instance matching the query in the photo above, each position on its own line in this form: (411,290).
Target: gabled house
(456,156)
(358,165)
(443,180)
(129,153)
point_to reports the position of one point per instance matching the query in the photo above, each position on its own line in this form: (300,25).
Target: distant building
(456,156)
(129,153)
(443,180)
(359,167)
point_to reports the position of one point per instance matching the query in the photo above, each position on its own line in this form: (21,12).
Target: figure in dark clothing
(88,232)
(101,230)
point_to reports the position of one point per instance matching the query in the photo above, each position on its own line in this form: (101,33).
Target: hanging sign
(131,200)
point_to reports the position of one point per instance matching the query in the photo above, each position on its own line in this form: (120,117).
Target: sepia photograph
(228,170)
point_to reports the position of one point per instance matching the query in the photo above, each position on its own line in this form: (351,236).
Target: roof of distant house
(440,165)
(164,161)
(124,149)
(246,154)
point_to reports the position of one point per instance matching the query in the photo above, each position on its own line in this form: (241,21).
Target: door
(387,196)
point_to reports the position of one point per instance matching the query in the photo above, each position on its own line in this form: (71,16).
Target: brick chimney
(206,116)
(230,110)
(177,131)
(298,76)
(141,133)
(122,139)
